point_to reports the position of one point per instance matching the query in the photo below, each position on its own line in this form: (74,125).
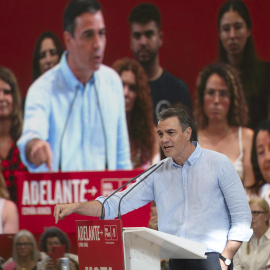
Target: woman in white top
(255,254)
(221,114)
(9,219)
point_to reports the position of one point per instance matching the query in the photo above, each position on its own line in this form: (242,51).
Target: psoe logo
(110,232)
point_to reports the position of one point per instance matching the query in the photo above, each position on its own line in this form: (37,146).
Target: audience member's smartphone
(58,252)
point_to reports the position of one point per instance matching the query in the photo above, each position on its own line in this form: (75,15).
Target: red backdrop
(189,27)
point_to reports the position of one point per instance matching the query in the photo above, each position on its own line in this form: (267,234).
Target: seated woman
(261,160)
(255,254)
(9,218)
(221,114)
(51,237)
(25,253)
(139,112)
(47,53)
(10,129)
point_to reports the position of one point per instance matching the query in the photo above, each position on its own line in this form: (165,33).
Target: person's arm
(248,178)
(92,208)
(229,252)
(39,152)
(238,207)
(10,217)
(36,120)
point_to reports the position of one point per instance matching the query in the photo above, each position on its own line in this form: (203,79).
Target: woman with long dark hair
(47,53)
(236,47)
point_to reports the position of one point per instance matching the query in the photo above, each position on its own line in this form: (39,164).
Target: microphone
(119,212)
(134,178)
(65,127)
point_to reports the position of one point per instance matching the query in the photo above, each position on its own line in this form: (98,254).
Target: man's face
(172,139)
(145,41)
(86,47)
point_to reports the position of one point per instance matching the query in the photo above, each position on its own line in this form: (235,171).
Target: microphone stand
(102,209)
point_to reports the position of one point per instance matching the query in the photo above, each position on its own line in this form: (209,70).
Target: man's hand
(92,208)
(39,152)
(62,210)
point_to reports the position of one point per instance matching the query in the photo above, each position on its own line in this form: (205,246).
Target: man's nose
(143,40)
(164,138)
(97,42)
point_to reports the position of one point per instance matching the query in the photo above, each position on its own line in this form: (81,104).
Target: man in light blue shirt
(74,115)
(198,194)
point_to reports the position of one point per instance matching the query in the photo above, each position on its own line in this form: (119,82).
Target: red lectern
(103,246)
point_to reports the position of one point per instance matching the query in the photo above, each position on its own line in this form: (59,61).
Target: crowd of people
(80,115)
(26,254)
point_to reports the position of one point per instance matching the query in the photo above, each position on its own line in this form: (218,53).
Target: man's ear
(67,39)
(188,133)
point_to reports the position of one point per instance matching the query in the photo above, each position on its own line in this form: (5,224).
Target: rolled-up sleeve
(236,200)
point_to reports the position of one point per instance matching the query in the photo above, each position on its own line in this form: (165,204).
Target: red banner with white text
(100,245)
(38,193)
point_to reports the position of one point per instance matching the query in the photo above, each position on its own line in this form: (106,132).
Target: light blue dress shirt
(203,200)
(94,116)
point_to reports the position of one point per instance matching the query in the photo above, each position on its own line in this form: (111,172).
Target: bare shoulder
(9,207)
(247,133)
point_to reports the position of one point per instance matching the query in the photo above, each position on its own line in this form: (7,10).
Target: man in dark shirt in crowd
(146,38)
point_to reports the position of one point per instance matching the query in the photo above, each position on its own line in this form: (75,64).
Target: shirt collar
(70,78)
(267,233)
(193,158)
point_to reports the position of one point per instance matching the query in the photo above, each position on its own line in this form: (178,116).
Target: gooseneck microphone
(134,178)
(65,127)
(119,211)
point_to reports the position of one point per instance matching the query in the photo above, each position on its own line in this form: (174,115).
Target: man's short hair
(182,115)
(74,9)
(144,13)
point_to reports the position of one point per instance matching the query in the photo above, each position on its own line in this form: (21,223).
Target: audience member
(261,159)
(50,238)
(74,115)
(10,129)
(255,254)
(9,218)
(146,38)
(236,47)
(221,114)
(139,113)
(25,254)
(47,53)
